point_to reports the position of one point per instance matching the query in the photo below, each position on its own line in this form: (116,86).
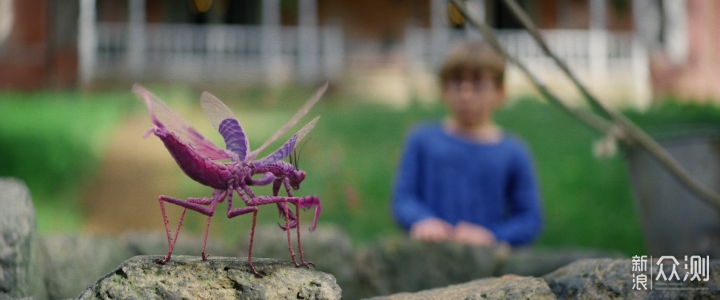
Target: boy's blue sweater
(492,185)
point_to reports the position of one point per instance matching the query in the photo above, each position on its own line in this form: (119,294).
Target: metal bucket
(676,221)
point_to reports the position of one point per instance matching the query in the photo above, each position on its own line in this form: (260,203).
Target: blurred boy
(465,179)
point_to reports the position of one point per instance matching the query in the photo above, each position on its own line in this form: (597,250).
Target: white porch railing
(256,53)
(218,52)
(598,56)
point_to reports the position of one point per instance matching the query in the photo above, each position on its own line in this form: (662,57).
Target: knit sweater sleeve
(407,205)
(524,219)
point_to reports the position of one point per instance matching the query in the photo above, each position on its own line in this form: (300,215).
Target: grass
(350,159)
(53,141)
(588,202)
(354,149)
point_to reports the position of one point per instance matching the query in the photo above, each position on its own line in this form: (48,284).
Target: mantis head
(296,177)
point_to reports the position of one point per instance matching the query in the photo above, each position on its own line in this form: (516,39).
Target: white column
(477,9)
(7,19)
(598,14)
(439,31)
(308,44)
(271,42)
(414,47)
(676,39)
(598,40)
(87,41)
(646,19)
(137,40)
(333,51)
(641,74)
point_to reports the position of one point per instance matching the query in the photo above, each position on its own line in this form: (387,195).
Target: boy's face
(473,96)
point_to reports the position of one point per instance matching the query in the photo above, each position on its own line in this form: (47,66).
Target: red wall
(29,59)
(23,57)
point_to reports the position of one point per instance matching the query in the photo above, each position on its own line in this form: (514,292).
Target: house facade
(662,47)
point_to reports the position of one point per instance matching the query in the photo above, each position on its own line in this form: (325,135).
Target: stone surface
(72,262)
(403,265)
(540,261)
(7,297)
(217,278)
(506,287)
(38,276)
(19,253)
(328,247)
(613,279)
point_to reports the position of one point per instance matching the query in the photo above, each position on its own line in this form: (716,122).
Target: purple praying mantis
(202,161)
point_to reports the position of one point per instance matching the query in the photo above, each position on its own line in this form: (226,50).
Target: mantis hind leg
(191,203)
(218,196)
(207,228)
(171,241)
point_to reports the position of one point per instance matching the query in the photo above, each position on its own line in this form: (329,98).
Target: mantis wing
(227,124)
(287,148)
(290,123)
(171,120)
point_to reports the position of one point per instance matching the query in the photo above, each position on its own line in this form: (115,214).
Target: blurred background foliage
(55,142)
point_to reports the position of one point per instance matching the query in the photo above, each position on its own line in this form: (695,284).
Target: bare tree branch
(593,121)
(630,132)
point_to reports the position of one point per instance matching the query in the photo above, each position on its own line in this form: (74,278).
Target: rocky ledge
(59,267)
(613,279)
(189,277)
(585,279)
(505,287)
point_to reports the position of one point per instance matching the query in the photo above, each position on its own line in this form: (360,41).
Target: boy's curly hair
(473,57)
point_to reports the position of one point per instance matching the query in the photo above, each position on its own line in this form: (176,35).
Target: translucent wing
(171,120)
(290,123)
(227,124)
(207,148)
(287,148)
(306,129)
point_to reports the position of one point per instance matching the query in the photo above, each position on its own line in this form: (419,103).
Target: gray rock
(20,271)
(217,278)
(73,262)
(506,287)
(7,297)
(328,247)
(38,284)
(540,261)
(613,279)
(404,265)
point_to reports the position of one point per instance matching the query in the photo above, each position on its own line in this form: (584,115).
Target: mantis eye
(302,175)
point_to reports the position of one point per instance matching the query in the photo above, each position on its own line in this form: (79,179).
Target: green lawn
(53,141)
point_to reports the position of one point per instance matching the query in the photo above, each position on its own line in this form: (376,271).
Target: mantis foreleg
(297,227)
(303,202)
(231,213)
